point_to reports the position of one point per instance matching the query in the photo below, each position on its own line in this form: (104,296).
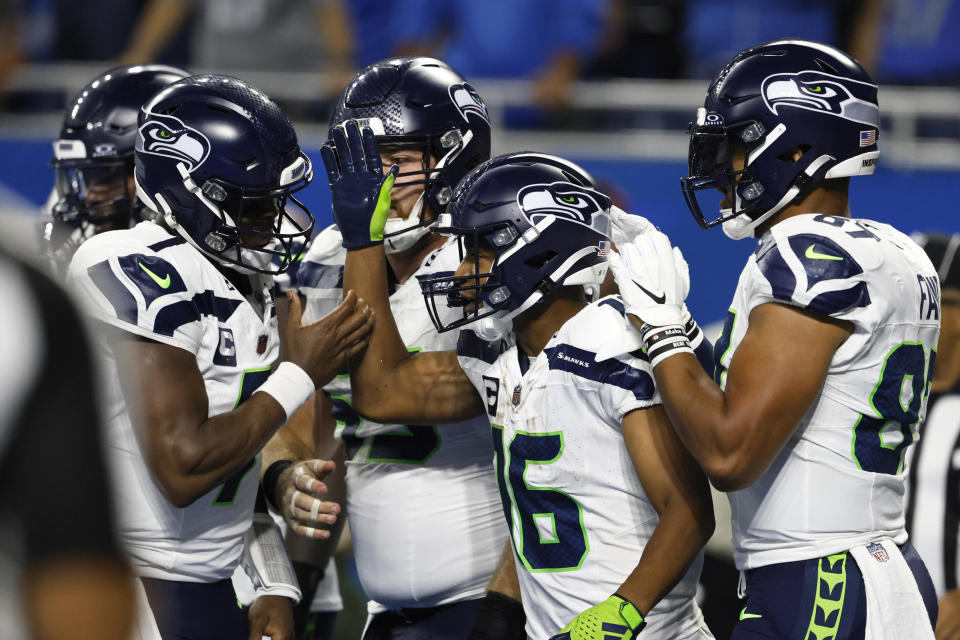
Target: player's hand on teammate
(358,186)
(653,279)
(615,617)
(300,493)
(271,616)
(324,348)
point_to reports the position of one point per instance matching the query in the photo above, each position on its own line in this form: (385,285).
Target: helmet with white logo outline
(420,103)
(547,227)
(220,162)
(773,101)
(93,157)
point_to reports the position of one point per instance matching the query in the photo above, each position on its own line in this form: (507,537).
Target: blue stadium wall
(910,200)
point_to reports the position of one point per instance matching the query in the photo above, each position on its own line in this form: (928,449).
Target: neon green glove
(615,617)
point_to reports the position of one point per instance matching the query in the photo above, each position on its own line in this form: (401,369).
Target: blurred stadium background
(610,84)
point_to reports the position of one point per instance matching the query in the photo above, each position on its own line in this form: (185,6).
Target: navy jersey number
(551,534)
(898,398)
(410,444)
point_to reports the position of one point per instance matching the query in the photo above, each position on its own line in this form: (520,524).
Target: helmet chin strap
(400,234)
(742,226)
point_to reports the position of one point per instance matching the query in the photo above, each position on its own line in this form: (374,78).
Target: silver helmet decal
(563,200)
(820,92)
(167,136)
(468,101)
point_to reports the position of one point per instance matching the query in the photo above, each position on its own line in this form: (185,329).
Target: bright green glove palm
(615,617)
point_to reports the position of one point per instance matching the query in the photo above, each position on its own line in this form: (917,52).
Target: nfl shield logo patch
(878,552)
(516,396)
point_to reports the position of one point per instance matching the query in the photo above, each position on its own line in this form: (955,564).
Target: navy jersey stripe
(166,244)
(123,302)
(582,363)
(174,316)
(823,260)
(211,304)
(615,303)
(836,302)
(774,268)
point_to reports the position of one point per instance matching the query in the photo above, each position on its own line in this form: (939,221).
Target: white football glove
(653,279)
(625,227)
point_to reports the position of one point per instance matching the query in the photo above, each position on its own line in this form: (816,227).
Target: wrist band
(630,613)
(692,330)
(270,478)
(290,386)
(660,343)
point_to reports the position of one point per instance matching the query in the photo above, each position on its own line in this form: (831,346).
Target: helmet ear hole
(791,155)
(540,259)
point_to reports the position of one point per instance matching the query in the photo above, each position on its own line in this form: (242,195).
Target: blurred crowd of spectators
(551,42)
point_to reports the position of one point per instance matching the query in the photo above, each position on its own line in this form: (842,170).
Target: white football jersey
(578,515)
(153,284)
(422,501)
(839,480)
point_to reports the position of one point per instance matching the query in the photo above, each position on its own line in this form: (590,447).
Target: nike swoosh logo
(658,299)
(746,616)
(163,283)
(812,254)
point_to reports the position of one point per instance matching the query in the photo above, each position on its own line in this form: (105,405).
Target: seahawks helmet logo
(821,92)
(468,101)
(563,200)
(167,136)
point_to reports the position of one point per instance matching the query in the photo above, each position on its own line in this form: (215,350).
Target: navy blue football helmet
(546,225)
(93,157)
(421,103)
(769,102)
(219,161)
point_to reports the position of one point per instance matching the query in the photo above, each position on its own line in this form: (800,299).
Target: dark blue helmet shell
(547,226)
(772,101)
(421,102)
(95,149)
(220,161)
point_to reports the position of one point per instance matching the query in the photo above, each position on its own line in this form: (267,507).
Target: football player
(94,166)
(425,574)
(190,339)
(824,363)
(606,510)
(94,189)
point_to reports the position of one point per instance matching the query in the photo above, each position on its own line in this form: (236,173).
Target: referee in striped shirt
(933,510)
